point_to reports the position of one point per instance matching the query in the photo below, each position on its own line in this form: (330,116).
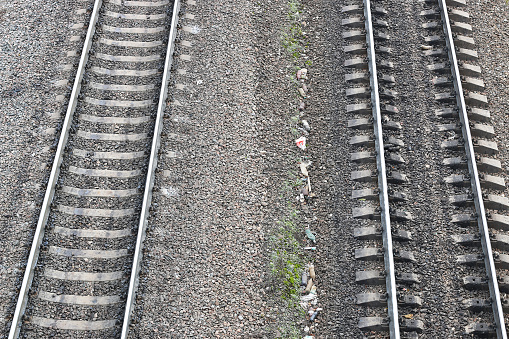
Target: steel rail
(55,170)
(149,183)
(390,280)
(474,174)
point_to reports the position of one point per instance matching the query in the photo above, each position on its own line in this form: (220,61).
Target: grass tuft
(292,36)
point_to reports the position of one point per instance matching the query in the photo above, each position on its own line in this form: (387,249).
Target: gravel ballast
(204,269)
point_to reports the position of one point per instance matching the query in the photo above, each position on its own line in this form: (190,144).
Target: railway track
(478,150)
(387,143)
(396,285)
(82,272)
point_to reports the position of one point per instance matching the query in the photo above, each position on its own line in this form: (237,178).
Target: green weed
(292,35)
(286,260)
(289,332)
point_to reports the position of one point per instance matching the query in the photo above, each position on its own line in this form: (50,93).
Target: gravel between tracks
(204,272)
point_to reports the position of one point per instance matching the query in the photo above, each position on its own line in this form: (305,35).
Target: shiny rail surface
(147,198)
(55,170)
(392,301)
(474,175)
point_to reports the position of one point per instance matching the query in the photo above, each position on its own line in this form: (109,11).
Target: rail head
(474,174)
(55,170)
(149,183)
(392,305)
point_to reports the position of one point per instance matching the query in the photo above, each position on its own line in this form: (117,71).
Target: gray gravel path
(204,268)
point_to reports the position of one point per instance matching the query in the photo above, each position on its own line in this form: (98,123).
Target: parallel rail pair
(60,151)
(392,303)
